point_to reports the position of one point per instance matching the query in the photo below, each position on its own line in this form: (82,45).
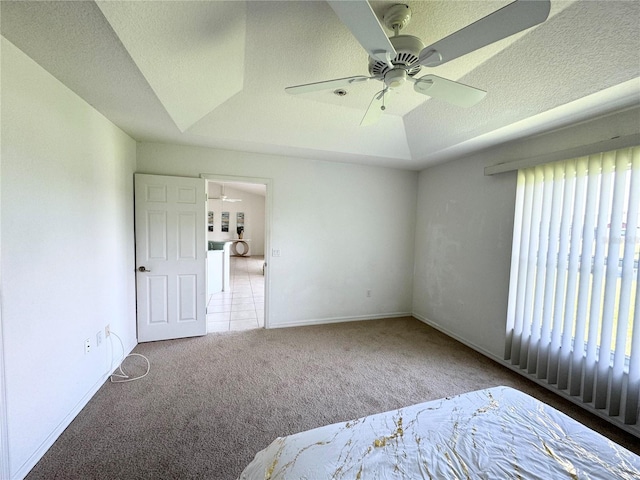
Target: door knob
(143,269)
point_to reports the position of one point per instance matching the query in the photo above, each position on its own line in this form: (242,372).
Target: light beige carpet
(210,403)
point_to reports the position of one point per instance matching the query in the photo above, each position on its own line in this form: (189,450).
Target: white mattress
(497,433)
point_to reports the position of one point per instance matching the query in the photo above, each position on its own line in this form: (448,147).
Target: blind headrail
(583,150)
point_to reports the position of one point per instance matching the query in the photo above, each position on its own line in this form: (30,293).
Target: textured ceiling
(213,73)
(189,77)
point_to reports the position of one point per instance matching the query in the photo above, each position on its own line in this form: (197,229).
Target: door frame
(268,208)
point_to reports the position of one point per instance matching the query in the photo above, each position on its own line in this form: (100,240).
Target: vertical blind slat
(598,276)
(555,175)
(532,253)
(633,381)
(577,220)
(588,237)
(515,262)
(523,267)
(610,287)
(561,275)
(632,187)
(541,264)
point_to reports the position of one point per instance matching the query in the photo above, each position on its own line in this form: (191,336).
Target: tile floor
(242,308)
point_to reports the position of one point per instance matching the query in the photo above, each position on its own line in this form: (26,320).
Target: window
(573,299)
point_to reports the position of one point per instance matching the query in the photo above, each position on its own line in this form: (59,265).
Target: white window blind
(573,308)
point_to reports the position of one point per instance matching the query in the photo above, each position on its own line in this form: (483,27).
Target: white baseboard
(323,321)
(31,462)
(455,336)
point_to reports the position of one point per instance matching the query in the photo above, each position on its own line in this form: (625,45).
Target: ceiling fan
(223,197)
(398,59)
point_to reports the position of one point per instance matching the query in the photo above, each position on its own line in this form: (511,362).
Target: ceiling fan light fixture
(395,78)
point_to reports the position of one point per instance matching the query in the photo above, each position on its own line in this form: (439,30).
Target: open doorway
(237,226)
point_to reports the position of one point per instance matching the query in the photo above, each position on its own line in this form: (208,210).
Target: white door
(170,257)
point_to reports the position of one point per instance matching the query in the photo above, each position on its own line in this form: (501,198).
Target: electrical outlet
(107,331)
(275,252)
(368,293)
(87,346)
(99,338)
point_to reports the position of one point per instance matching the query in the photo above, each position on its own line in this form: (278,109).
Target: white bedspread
(498,433)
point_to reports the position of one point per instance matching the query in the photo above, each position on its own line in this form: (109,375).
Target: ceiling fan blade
(376,107)
(448,90)
(509,20)
(327,84)
(360,18)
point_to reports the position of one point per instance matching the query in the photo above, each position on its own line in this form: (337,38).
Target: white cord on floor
(123,375)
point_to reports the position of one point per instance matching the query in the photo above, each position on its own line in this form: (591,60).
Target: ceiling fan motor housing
(407,48)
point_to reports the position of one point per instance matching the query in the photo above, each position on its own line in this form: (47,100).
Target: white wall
(341,229)
(253,207)
(67,252)
(463,251)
